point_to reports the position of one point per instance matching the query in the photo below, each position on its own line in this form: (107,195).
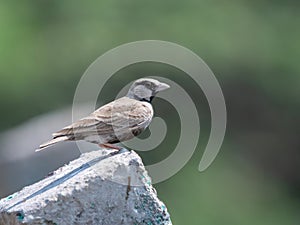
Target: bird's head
(145,89)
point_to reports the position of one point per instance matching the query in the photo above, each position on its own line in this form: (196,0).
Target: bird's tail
(51,142)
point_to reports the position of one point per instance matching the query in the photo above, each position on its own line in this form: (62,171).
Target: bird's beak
(162,86)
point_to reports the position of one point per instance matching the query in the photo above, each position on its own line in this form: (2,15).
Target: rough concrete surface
(100,187)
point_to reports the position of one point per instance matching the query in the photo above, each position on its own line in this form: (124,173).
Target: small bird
(116,121)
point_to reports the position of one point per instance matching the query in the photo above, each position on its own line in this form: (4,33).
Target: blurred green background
(252,47)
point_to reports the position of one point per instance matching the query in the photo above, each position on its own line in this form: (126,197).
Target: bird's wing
(84,125)
(123,113)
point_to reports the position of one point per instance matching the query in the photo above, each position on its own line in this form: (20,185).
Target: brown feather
(117,121)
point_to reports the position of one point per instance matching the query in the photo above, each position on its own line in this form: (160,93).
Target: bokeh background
(253,48)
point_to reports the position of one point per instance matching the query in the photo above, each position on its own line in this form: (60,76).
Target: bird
(117,121)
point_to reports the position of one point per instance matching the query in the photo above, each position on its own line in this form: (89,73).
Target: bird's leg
(110,146)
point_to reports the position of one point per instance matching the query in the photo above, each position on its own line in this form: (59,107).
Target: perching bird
(116,121)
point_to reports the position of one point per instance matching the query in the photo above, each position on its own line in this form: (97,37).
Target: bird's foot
(111,146)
